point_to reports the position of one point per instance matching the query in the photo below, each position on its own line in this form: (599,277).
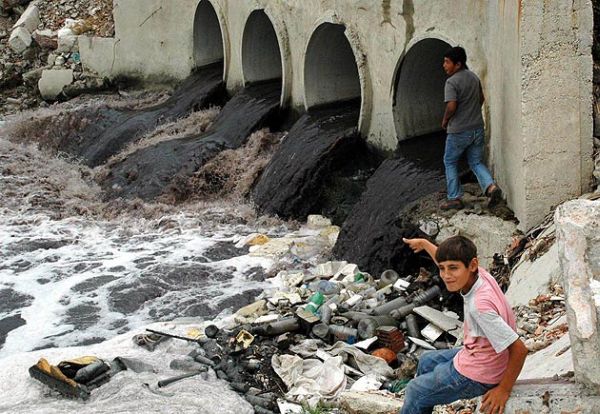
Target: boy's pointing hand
(416,245)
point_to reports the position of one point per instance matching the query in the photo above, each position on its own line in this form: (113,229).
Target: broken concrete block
(46,38)
(355,402)
(53,81)
(530,279)
(439,319)
(20,40)
(548,396)
(577,229)
(556,359)
(30,19)
(490,234)
(67,40)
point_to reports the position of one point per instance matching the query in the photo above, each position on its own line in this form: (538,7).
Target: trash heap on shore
(326,334)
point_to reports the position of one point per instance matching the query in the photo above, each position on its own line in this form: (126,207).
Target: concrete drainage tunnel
(323,165)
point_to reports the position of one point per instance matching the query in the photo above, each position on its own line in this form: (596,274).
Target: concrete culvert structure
(330,70)
(208,38)
(419,89)
(261,54)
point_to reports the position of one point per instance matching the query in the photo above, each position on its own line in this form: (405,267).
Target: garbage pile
(321,331)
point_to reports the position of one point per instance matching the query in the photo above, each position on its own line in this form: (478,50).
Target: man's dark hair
(456,248)
(457,54)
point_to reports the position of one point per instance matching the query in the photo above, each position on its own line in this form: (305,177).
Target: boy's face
(450,67)
(457,276)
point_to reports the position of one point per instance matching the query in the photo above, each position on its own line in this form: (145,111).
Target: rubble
(29,42)
(53,82)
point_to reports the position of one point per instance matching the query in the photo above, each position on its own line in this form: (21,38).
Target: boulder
(530,279)
(53,81)
(490,234)
(30,19)
(20,40)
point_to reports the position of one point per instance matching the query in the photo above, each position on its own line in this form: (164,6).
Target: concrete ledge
(547,396)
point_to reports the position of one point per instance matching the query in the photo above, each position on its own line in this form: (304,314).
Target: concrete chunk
(577,229)
(53,81)
(20,40)
(444,322)
(355,402)
(30,19)
(551,397)
(530,279)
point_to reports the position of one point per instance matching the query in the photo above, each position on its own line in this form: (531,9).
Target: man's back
(464,87)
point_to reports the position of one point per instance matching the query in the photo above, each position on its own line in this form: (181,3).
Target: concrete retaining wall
(534,59)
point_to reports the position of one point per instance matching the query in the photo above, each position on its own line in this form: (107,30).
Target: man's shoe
(452,205)
(495,195)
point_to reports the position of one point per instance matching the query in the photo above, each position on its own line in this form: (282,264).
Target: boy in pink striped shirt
(492,355)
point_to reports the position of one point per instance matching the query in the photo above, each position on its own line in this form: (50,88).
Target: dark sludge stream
(149,172)
(113,129)
(321,166)
(372,234)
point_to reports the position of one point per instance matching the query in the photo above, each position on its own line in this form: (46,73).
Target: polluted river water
(73,281)
(83,271)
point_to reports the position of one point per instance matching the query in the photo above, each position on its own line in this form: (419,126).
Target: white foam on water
(95,249)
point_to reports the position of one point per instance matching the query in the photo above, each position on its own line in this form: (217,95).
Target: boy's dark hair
(456,248)
(457,54)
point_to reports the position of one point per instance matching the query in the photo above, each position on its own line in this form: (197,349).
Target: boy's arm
(449,113)
(495,399)
(418,245)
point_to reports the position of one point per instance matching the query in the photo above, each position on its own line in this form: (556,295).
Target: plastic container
(367,328)
(315,302)
(388,277)
(386,308)
(344,333)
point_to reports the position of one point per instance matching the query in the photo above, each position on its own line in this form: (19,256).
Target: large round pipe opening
(419,94)
(330,70)
(208,39)
(261,54)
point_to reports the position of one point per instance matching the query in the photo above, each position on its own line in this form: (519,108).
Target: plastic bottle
(315,302)
(344,333)
(386,308)
(412,326)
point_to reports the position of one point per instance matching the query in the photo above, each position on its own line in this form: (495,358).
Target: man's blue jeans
(438,382)
(471,142)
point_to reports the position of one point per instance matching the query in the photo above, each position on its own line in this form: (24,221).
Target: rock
(53,81)
(20,40)
(46,38)
(30,19)
(66,40)
(490,234)
(530,279)
(369,403)
(33,76)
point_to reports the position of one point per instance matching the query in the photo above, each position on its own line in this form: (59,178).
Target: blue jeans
(438,382)
(471,142)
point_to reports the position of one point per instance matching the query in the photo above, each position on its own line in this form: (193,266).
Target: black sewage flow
(372,234)
(113,129)
(149,171)
(320,167)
